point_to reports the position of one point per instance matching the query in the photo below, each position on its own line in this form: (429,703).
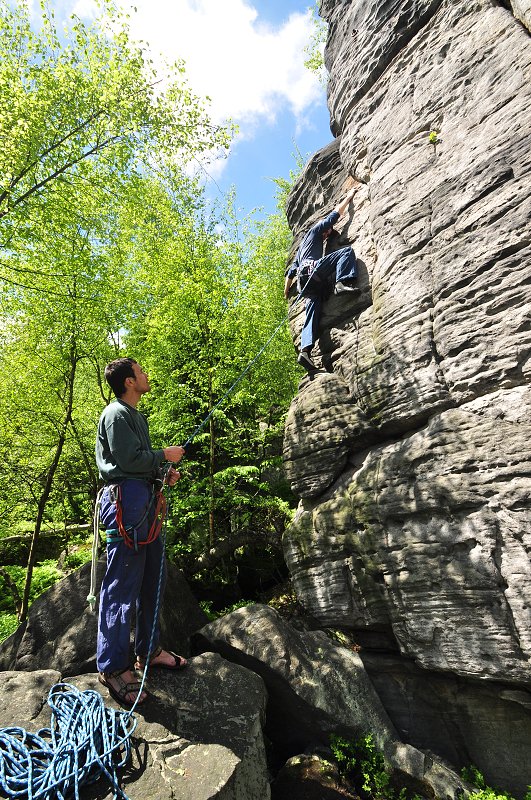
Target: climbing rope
(85,740)
(91,597)
(247,368)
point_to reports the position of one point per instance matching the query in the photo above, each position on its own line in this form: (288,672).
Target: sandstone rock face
(198,737)
(522,11)
(412,455)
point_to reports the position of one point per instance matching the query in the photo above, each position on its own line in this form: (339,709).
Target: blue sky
(248,57)
(270,142)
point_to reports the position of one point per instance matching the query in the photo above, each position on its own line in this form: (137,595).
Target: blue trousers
(130,581)
(340,265)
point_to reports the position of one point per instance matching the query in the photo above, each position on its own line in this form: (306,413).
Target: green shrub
(8,625)
(363,765)
(472,775)
(212,614)
(77,558)
(235,606)
(206,606)
(44,576)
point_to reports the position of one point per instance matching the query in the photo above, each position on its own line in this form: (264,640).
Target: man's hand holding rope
(173,454)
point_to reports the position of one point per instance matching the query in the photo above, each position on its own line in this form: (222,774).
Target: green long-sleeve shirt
(123,446)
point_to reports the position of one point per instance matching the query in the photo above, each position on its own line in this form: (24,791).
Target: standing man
(313,272)
(131,470)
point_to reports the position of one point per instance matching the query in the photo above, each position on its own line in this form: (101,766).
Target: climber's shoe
(305,361)
(125,692)
(161,659)
(342,287)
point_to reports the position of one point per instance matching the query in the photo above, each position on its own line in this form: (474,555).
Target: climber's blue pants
(341,264)
(130,581)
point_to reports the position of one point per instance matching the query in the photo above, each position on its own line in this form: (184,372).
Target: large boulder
(316,688)
(60,632)
(432,553)
(478,722)
(198,737)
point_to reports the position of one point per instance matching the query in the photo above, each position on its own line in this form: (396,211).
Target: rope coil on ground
(86,740)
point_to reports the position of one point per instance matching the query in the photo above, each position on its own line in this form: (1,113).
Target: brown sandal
(180,662)
(120,694)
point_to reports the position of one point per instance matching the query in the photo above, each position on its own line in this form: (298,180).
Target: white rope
(91,597)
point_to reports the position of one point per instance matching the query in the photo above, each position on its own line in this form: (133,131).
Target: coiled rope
(85,740)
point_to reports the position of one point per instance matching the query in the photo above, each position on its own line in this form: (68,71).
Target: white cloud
(85,8)
(249,70)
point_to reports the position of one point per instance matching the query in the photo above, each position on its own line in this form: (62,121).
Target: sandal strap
(116,674)
(134,686)
(123,687)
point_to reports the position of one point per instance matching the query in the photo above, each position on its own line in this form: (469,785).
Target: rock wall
(410,449)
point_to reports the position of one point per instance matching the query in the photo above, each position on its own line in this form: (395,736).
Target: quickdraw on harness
(130,534)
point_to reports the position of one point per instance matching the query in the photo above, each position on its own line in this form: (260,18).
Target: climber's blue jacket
(311,247)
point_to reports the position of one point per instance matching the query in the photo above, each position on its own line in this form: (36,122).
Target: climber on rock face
(314,272)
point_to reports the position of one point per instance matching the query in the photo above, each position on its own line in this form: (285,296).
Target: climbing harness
(130,534)
(306,273)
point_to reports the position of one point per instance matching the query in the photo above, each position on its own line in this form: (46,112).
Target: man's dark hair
(117,371)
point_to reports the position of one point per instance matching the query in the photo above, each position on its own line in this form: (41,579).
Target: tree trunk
(45,494)
(12,586)
(214,555)
(211,527)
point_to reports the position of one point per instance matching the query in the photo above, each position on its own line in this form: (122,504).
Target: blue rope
(246,370)
(85,740)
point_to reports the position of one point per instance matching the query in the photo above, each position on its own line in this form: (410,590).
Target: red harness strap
(156,525)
